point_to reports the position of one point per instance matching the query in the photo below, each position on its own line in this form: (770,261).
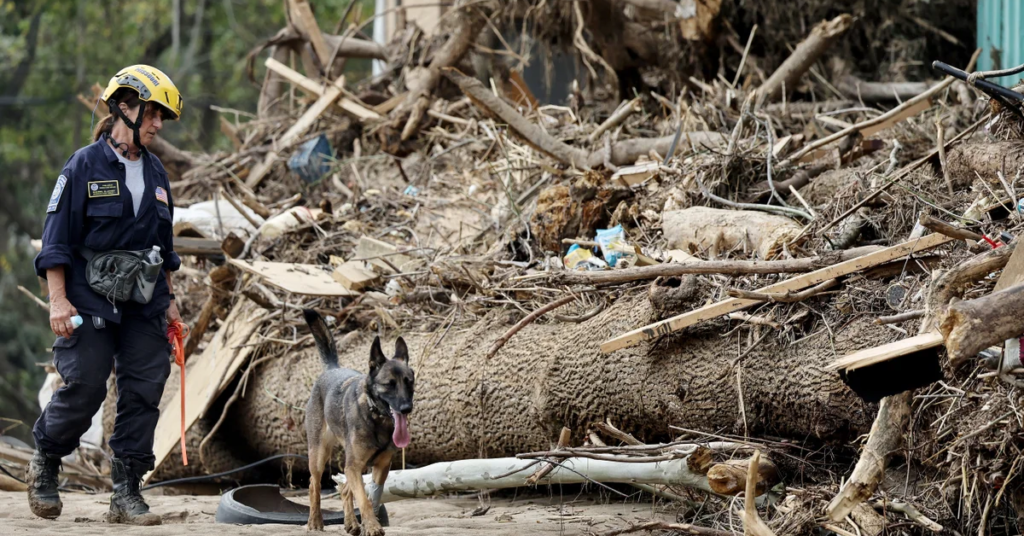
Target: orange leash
(176,333)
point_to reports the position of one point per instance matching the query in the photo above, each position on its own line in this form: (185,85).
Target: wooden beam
(1013,273)
(724,307)
(314,88)
(877,354)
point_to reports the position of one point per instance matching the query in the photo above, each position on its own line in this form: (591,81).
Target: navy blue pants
(138,351)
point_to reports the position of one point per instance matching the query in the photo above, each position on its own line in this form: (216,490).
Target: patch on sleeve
(161,195)
(58,191)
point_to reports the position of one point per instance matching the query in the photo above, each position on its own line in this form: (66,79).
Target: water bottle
(76,321)
(145,283)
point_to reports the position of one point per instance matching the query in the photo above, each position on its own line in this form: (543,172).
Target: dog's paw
(315,526)
(353,528)
(374,530)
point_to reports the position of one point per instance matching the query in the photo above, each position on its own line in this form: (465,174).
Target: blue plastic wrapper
(612,242)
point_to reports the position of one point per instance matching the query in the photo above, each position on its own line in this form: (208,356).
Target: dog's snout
(405,408)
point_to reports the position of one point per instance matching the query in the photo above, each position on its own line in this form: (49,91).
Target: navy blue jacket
(90,206)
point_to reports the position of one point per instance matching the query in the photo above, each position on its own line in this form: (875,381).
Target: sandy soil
(84,516)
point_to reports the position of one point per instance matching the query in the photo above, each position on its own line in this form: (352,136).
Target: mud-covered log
(986,159)
(552,375)
(973,325)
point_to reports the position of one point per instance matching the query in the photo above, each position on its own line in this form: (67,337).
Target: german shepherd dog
(365,413)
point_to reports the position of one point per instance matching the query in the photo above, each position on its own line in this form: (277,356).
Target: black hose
(206,478)
(6,472)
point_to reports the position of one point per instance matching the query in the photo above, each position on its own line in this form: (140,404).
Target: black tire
(263,503)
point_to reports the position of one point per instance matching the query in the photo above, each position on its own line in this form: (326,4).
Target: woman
(112,202)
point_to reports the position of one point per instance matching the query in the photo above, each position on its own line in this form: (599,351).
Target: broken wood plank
(314,88)
(631,175)
(1013,273)
(208,374)
(878,354)
(305,279)
(715,310)
(904,114)
(939,226)
(970,326)
(353,276)
(380,254)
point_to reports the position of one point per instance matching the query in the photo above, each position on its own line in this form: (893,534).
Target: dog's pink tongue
(401,435)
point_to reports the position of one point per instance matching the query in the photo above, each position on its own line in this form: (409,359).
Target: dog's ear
(377,358)
(401,351)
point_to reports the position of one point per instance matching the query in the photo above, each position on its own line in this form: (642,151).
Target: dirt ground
(569,515)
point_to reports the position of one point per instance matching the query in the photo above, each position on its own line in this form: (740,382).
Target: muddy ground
(535,514)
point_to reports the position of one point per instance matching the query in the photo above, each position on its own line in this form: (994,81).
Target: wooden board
(799,282)
(630,175)
(1013,273)
(871,356)
(353,276)
(313,88)
(201,247)
(304,279)
(368,248)
(207,375)
(905,114)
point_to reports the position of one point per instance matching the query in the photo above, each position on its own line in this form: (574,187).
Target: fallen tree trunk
(699,228)
(552,375)
(971,326)
(466,475)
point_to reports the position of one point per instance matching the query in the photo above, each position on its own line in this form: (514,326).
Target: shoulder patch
(58,191)
(161,195)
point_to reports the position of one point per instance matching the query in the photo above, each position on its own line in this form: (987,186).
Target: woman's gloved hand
(61,312)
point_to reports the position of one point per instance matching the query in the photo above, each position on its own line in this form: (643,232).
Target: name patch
(104,189)
(161,195)
(58,190)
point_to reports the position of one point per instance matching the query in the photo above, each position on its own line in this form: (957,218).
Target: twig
(621,114)
(902,317)
(527,321)
(784,297)
(912,513)
(684,528)
(939,226)
(940,144)
(35,298)
(782,211)
(241,210)
(753,319)
(802,201)
(743,60)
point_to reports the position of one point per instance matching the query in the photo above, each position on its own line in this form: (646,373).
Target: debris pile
(723,270)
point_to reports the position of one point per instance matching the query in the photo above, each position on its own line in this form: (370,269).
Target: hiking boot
(43,498)
(126,504)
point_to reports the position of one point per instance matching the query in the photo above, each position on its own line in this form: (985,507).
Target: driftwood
(470,19)
(537,137)
(480,474)
(934,224)
(886,436)
(627,152)
(784,297)
(681,528)
(803,57)
(698,228)
(858,89)
(902,317)
(971,326)
(627,109)
(730,478)
(641,273)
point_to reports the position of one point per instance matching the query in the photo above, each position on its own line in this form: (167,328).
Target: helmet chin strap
(134,126)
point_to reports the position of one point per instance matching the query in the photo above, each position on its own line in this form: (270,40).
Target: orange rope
(176,333)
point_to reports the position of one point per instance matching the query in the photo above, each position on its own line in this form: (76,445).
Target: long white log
(466,475)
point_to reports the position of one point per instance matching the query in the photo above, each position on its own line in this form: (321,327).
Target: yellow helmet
(151,84)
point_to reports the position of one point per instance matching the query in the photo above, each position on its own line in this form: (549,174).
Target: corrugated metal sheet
(1000,27)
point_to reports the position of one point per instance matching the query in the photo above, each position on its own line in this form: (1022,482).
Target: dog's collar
(376,406)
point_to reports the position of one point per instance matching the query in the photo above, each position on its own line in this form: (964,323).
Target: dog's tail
(322,335)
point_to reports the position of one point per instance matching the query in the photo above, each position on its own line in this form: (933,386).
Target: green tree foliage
(53,50)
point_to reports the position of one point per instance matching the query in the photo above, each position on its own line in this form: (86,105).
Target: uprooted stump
(553,375)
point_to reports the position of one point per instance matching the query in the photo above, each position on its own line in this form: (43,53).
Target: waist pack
(122,276)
